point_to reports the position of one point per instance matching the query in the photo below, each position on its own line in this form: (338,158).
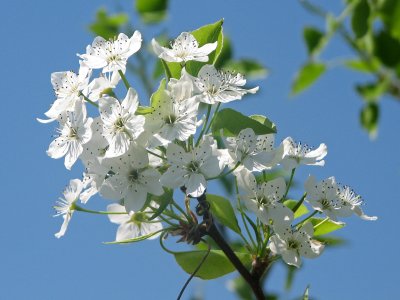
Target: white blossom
(65,206)
(295,154)
(111,55)
(120,124)
(133,224)
(184,48)
(74,132)
(292,244)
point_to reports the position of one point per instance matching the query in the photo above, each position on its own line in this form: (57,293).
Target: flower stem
(79,208)
(204,125)
(289,184)
(213,118)
(306,219)
(126,82)
(225,174)
(89,101)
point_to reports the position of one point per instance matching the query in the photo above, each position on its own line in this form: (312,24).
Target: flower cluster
(136,154)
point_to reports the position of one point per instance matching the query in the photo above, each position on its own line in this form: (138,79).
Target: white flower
(74,132)
(296,154)
(294,244)
(263,199)
(68,87)
(184,48)
(99,85)
(111,55)
(323,196)
(255,153)
(65,207)
(133,224)
(175,117)
(194,168)
(131,178)
(219,86)
(120,124)
(351,204)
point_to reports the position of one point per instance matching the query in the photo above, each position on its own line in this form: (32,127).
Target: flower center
(325,203)
(73,133)
(133,176)
(119,124)
(293,244)
(193,166)
(170,119)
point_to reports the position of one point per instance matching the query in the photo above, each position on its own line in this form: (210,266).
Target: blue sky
(40,37)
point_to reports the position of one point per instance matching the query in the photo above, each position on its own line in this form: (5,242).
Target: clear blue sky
(40,37)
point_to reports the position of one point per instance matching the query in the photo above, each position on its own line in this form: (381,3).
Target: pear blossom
(65,206)
(111,55)
(131,178)
(292,244)
(218,86)
(120,124)
(323,196)
(74,132)
(295,154)
(133,224)
(350,203)
(98,86)
(192,169)
(255,153)
(184,48)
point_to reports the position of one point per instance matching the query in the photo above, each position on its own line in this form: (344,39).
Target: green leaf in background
(108,26)
(387,49)
(372,91)
(369,118)
(222,210)
(363,66)
(158,95)
(204,35)
(241,288)
(232,122)
(390,13)
(216,264)
(291,271)
(306,76)
(314,39)
(301,211)
(226,53)
(360,18)
(152,11)
(331,241)
(265,121)
(323,226)
(248,67)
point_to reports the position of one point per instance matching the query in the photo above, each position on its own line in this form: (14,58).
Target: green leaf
(301,211)
(144,110)
(216,264)
(241,288)
(226,53)
(305,295)
(314,39)
(360,18)
(152,11)
(363,66)
(248,67)
(372,91)
(204,35)
(323,226)
(387,49)
(390,13)
(265,121)
(108,26)
(291,271)
(306,76)
(222,210)
(331,241)
(369,118)
(158,95)
(163,201)
(232,122)
(134,240)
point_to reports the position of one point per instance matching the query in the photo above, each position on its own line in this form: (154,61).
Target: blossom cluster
(133,153)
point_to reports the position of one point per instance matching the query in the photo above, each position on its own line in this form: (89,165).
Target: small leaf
(390,14)
(232,122)
(134,240)
(108,26)
(301,211)
(222,210)
(265,121)
(331,241)
(387,49)
(144,110)
(363,66)
(323,226)
(216,264)
(360,18)
(152,11)
(306,76)
(305,295)
(313,39)
(369,118)
(248,67)
(372,91)
(291,271)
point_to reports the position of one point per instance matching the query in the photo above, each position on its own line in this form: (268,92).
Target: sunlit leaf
(222,210)
(323,226)
(306,76)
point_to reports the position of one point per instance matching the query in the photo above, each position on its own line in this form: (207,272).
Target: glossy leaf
(222,210)
(322,226)
(216,264)
(307,75)
(360,18)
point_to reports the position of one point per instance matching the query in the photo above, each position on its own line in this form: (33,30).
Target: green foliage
(362,65)
(325,226)
(369,117)
(232,122)
(216,264)
(360,18)
(372,91)
(265,121)
(248,67)
(387,48)
(222,210)
(301,211)
(158,95)
(307,75)
(151,11)
(108,26)
(313,39)
(163,201)
(390,14)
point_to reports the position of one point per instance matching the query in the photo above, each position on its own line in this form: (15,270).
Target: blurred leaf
(306,76)
(360,18)
(301,211)
(158,95)
(331,241)
(227,183)
(305,295)
(226,53)
(232,122)
(363,66)
(265,121)
(369,118)
(248,67)
(152,11)
(241,288)
(322,226)
(222,210)
(390,13)
(216,264)
(313,39)
(158,69)
(291,271)
(372,91)
(108,26)
(387,49)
